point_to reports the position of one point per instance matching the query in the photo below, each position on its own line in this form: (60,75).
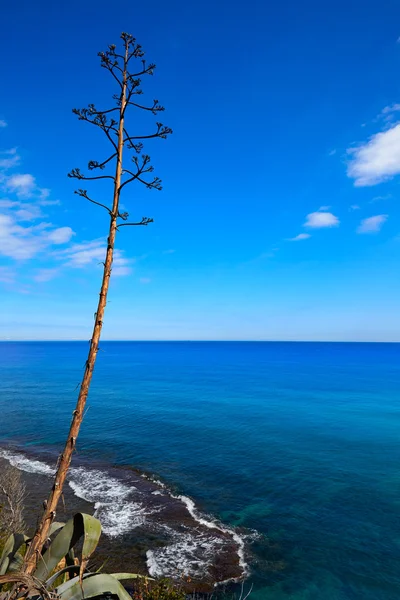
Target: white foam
(190,505)
(113,507)
(26,464)
(155,559)
(188,556)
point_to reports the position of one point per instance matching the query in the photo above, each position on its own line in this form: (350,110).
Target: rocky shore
(167,537)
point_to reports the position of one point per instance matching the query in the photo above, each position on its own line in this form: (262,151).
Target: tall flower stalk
(112,123)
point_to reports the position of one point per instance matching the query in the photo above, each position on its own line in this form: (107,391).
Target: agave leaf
(91,585)
(64,541)
(12,545)
(55,526)
(15,563)
(121,576)
(92,528)
(53,578)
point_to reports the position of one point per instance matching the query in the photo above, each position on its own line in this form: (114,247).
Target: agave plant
(59,573)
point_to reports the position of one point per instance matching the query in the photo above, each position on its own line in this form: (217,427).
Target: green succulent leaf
(16,563)
(55,526)
(13,544)
(91,585)
(121,576)
(70,569)
(92,533)
(80,525)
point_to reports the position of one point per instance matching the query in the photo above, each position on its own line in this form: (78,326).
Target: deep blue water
(300,441)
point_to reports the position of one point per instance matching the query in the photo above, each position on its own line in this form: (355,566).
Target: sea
(284,457)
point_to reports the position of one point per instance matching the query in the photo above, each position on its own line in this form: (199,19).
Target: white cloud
(23,243)
(62,235)
(6,203)
(121,271)
(7,275)
(354,207)
(18,242)
(93,253)
(3,123)
(332,152)
(121,265)
(86,253)
(44,275)
(390,109)
(9,159)
(372,224)
(378,198)
(28,212)
(298,238)
(318,220)
(376,160)
(23,211)
(22,184)
(45,202)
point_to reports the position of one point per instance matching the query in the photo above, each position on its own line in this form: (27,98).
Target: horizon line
(9,340)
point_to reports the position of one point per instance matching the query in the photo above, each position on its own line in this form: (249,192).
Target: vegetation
(59,572)
(54,562)
(12,496)
(111,122)
(158,590)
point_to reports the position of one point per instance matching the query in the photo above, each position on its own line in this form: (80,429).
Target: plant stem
(41,534)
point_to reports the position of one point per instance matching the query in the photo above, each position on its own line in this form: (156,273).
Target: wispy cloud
(61,235)
(376,160)
(7,275)
(83,254)
(22,184)
(320,219)
(168,251)
(121,266)
(3,123)
(301,236)
(145,280)
(9,159)
(92,253)
(379,198)
(44,275)
(332,152)
(389,111)
(372,224)
(23,243)
(354,207)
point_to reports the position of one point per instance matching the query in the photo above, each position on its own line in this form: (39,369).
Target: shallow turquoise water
(299,441)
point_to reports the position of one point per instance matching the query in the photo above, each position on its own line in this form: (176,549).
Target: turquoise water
(298,441)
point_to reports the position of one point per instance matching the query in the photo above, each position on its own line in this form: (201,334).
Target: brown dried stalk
(128,86)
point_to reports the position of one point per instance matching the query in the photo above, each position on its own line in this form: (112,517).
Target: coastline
(158,533)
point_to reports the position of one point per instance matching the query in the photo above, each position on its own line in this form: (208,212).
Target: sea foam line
(210,524)
(28,465)
(214,525)
(117,514)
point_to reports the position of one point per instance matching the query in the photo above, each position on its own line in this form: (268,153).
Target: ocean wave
(122,506)
(161,558)
(22,462)
(117,513)
(188,556)
(211,524)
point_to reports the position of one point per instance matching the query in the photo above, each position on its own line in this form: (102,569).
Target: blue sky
(279,216)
